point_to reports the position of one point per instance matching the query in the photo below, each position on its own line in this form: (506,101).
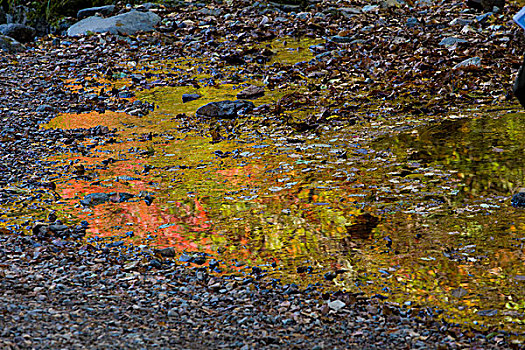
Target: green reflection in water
(467,257)
(488,152)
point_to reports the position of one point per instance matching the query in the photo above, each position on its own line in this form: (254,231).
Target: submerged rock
(190,97)
(224,109)
(472,62)
(126,23)
(93,199)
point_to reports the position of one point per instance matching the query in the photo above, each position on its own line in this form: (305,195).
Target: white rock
(336,305)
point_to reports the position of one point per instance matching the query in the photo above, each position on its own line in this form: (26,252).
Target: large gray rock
(19,32)
(10,45)
(126,23)
(104,10)
(224,109)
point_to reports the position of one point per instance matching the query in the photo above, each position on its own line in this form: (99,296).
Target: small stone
(190,97)
(450,41)
(412,22)
(198,259)
(93,199)
(155,263)
(224,109)
(336,305)
(148,200)
(469,62)
(173,312)
(251,92)
(168,252)
(518,200)
(44,108)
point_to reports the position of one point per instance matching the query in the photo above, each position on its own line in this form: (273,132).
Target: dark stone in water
(93,199)
(148,199)
(190,97)
(224,109)
(363,226)
(213,264)
(199,260)
(518,200)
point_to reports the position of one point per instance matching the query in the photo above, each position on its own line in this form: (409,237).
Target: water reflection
(421,217)
(488,153)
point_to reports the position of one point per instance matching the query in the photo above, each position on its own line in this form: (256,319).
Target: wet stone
(224,109)
(342,39)
(167,252)
(93,199)
(251,92)
(518,200)
(190,97)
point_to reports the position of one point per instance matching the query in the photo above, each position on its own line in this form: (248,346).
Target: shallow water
(421,217)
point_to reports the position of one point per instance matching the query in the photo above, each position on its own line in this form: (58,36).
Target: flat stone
(469,62)
(224,109)
(190,97)
(126,23)
(449,41)
(57,228)
(251,92)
